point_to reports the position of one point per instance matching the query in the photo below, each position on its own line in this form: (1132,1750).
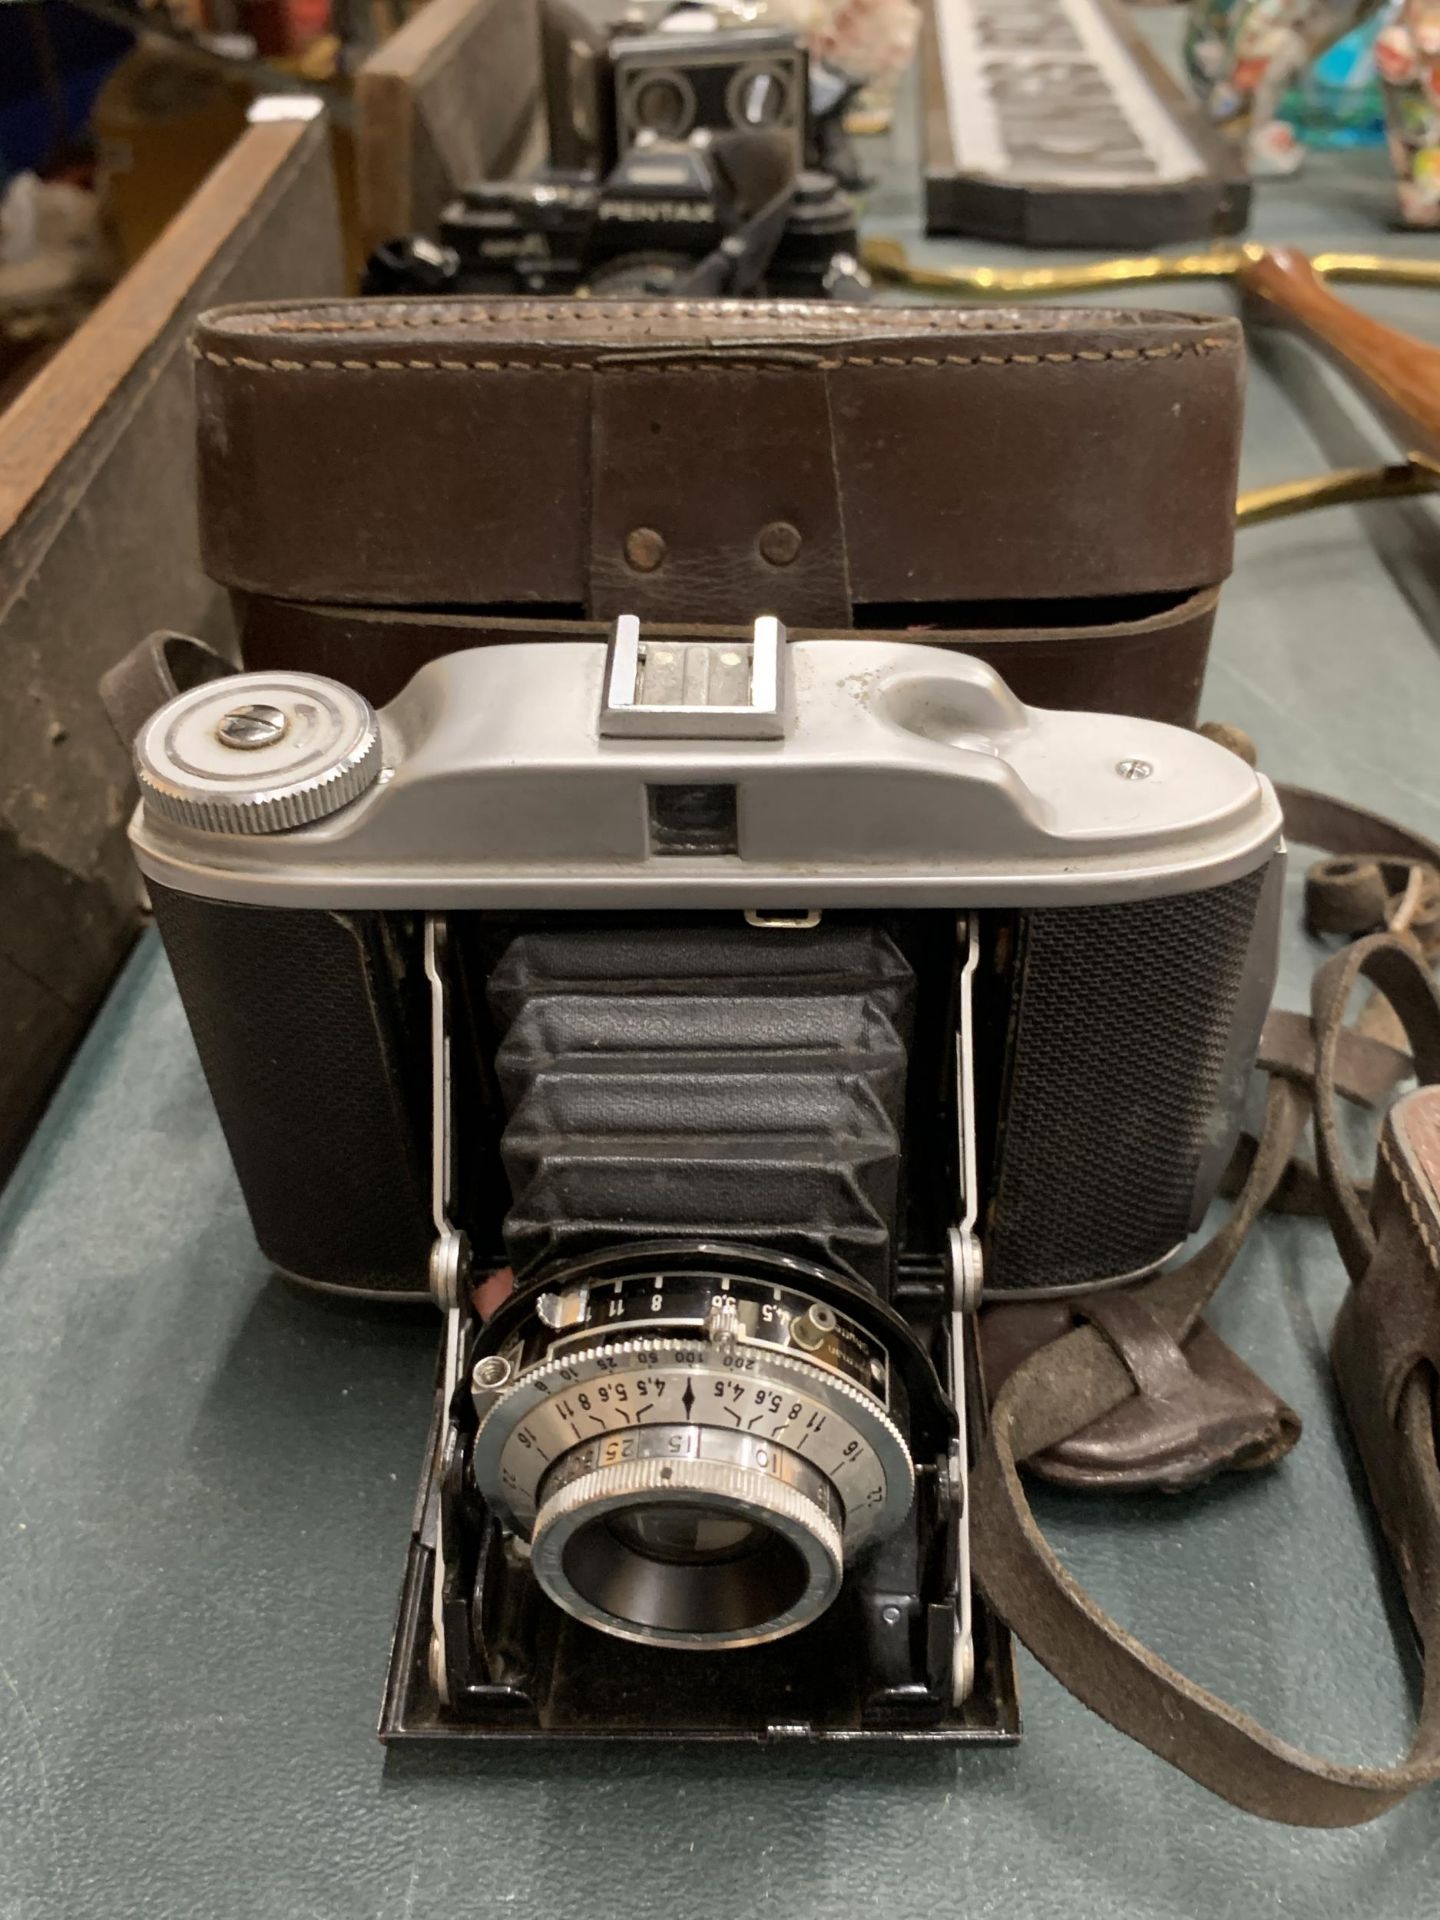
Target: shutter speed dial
(688,1471)
(258,753)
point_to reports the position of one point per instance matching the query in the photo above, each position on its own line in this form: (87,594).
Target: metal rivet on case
(779,543)
(644,549)
(1134,769)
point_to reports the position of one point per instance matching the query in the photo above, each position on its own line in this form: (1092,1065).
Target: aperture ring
(778,1494)
(589,1392)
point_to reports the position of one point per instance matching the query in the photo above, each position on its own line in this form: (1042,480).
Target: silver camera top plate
(809,774)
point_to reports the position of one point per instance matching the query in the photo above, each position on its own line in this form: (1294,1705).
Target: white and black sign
(1049,122)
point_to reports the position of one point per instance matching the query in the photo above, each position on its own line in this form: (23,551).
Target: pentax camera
(690,152)
(707,1026)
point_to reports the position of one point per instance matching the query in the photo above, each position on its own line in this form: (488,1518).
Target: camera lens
(693,1444)
(758,96)
(686,1536)
(662,104)
(689,1536)
(715,1597)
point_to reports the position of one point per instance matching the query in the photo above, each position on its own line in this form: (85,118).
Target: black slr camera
(705,1025)
(688,154)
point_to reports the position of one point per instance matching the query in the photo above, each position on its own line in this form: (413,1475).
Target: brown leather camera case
(381,482)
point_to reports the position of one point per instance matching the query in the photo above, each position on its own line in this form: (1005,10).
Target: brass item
(1288,283)
(1346,487)
(887,260)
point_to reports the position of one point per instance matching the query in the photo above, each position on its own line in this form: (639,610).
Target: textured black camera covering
(1122,1023)
(311,1047)
(754,1091)
(668,1079)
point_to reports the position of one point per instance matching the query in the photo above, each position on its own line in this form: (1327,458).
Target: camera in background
(690,153)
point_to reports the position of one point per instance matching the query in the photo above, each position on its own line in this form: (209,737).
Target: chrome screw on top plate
(257,753)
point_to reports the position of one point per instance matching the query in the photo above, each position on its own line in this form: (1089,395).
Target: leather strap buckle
(1197,1410)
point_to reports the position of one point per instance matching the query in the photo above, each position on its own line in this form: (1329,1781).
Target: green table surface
(206,1476)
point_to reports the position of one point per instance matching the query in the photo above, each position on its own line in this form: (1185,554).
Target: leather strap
(757,169)
(1410,989)
(1319,820)
(1365,1071)
(1080,1379)
(152,672)
(1197,1409)
(1379,875)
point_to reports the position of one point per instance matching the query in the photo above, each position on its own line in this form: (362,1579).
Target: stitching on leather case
(353,324)
(248,365)
(1414,1205)
(900,320)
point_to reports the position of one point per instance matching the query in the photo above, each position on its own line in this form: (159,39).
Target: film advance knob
(258,752)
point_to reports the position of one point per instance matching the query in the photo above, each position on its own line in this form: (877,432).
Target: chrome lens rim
(786,1577)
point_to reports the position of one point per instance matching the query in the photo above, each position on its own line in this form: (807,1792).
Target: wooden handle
(1399,374)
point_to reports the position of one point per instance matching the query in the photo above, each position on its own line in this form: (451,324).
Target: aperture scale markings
(767,1313)
(824,1419)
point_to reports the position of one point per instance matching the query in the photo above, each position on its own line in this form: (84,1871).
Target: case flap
(485,454)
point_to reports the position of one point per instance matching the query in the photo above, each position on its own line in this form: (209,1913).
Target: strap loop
(1409,987)
(152,672)
(1066,1386)
(1345,895)
(1080,1378)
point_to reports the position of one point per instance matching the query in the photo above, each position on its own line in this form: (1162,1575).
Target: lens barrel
(752,1549)
(694,1449)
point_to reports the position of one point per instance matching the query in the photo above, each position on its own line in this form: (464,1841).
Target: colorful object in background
(872,41)
(1407,56)
(1338,103)
(1245,58)
(1249,61)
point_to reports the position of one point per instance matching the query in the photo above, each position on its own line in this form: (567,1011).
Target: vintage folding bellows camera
(678,135)
(706,1025)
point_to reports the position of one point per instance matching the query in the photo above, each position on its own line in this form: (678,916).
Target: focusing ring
(787,1576)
